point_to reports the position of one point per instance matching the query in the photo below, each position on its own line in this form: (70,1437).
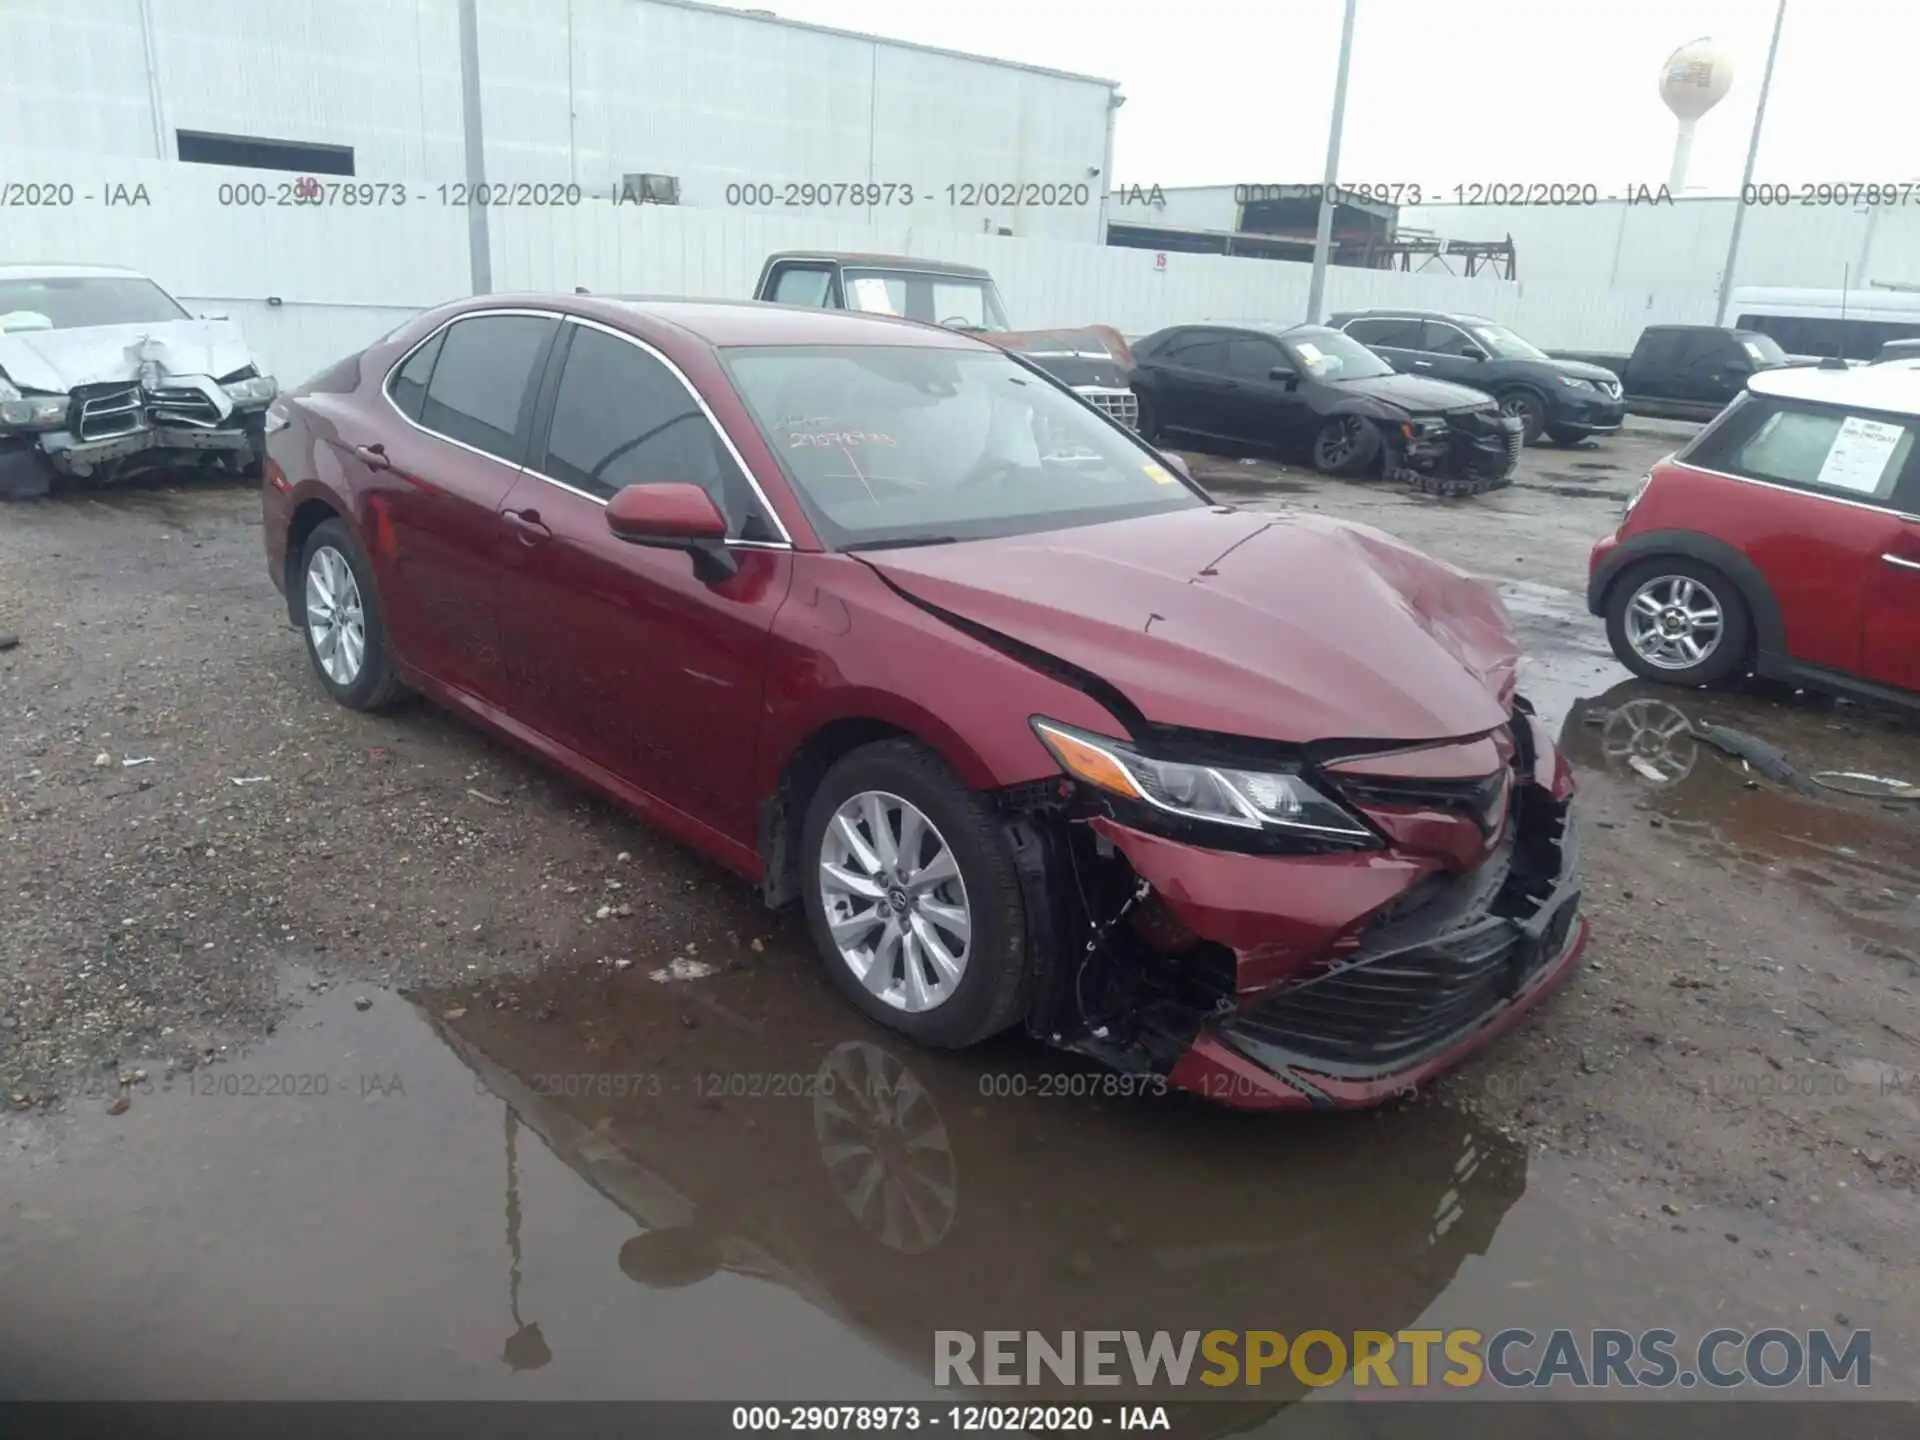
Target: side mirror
(1476,354)
(674,516)
(1737,365)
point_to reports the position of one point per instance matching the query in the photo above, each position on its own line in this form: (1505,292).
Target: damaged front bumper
(111,431)
(1467,453)
(1331,981)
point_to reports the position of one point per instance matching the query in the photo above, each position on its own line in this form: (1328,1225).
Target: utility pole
(1746,179)
(1323,234)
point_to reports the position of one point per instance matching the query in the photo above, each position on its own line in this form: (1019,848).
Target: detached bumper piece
(1469,453)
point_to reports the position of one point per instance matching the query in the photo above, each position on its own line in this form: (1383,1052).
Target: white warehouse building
(719,108)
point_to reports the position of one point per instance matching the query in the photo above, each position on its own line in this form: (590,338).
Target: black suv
(1566,400)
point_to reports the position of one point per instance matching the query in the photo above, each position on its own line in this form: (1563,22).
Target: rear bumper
(1335,1004)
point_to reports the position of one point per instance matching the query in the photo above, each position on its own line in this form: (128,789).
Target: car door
(1890,630)
(1396,339)
(1188,372)
(434,486)
(1448,353)
(1818,524)
(1713,368)
(620,652)
(1257,408)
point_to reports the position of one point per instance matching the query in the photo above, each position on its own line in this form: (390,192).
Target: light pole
(1323,233)
(1746,179)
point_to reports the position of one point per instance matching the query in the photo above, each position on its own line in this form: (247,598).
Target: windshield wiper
(901,544)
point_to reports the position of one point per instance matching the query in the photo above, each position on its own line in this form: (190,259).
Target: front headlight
(1218,794)
(31,412)
(1574,382)
(255,390)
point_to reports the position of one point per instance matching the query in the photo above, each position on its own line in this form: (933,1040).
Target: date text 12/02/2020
(965,195)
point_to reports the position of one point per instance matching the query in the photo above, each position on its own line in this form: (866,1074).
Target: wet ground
(349,1056)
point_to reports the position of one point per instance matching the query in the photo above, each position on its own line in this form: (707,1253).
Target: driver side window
(1450,340)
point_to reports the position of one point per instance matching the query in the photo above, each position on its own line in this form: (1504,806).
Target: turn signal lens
(1086,761)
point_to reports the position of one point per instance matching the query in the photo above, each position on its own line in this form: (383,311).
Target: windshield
(77,301)
(964,302)
(1503,344)
(1761,349)
(891,444)
(1333,356)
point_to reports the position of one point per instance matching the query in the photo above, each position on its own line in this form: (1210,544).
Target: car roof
(754,322)
(891,262)
(68,272)
(1891,388)
(1456,317)
(1266,328)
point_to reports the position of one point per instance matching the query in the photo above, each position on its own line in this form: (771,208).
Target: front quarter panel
(847,646)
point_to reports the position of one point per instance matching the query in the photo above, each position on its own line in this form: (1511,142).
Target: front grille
(1121,405)
(108,410)
(182,406)
(1483,799)
(1374,1013)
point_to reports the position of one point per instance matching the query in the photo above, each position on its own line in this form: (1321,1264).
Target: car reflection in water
(964,1191)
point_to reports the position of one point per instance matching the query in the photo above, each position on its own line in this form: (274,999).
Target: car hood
(1415,394)
(1289,627)
(1088,355)
(58,360)
(1581,370)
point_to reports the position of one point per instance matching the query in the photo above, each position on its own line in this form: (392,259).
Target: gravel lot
(1718,1116)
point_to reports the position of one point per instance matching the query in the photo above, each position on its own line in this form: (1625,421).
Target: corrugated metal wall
(572,91)
(346,275)
(1677,248)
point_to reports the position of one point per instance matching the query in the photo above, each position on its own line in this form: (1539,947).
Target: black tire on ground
(1149,420)
(376,685)
(1728,655)
(1563,436)
(993,991)
(1531,409)
(1347,445)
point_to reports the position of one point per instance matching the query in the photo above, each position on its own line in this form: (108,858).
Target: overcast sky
(1445,92)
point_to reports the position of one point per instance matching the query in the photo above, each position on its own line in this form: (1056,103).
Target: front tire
(1678,622)
(1346,445)
(912,896)
(1529,409)
(340,617)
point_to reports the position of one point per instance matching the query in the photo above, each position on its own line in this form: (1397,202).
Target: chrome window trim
(386,383)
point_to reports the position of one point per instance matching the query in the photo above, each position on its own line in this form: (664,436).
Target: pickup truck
(1094,360)
(1688,372)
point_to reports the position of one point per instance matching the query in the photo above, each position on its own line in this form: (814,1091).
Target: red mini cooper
(1783,541)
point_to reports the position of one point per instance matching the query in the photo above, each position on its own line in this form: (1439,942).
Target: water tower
(1695,78)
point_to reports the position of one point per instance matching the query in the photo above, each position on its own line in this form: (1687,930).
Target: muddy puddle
(714,1179)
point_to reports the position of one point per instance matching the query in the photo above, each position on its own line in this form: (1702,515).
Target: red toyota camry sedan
(896,626)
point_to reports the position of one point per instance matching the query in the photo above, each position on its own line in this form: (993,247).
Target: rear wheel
(1528,409)
(1346,445)
(912,896)
(1678,621)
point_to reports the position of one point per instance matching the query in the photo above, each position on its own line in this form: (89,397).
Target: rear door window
(1826,450)
(1390,331)
(483,384)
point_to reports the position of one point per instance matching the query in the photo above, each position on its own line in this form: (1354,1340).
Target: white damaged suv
(104,375)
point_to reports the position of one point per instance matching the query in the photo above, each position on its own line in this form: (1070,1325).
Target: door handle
(373,456)
(1902,562)
(526,523)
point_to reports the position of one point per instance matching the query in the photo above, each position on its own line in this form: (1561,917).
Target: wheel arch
(1763,606)
(309,514)
(807,762)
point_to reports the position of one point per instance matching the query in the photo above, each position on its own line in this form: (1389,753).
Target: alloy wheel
(1337,441)
(895,902)
(336,618)
(1673,622)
